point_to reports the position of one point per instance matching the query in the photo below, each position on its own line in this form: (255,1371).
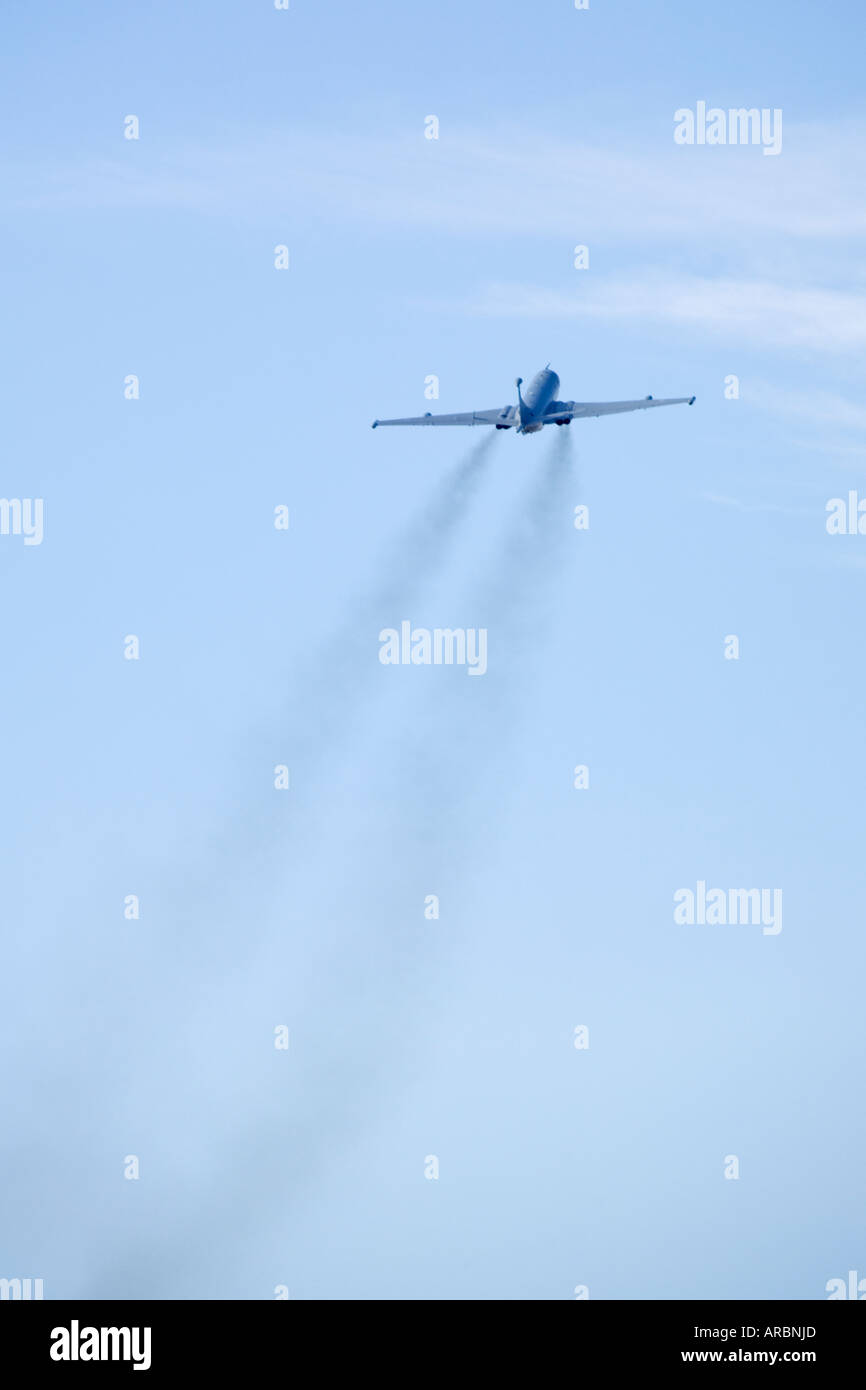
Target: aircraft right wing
(582,410)
(503,416)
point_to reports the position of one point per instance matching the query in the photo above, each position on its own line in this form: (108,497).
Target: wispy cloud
(505,182)
(782,315)
(737,505)
(817,406)
(764,250)
(850,562)
(855,452)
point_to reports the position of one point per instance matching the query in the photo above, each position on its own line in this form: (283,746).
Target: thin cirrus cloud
(718,500)
(820,320)
(465,183)
(817,407)
(760,249)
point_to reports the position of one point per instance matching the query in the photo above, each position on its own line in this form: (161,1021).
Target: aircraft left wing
(582,410)
(503,416)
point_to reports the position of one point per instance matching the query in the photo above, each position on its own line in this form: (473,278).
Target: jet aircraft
(537,408)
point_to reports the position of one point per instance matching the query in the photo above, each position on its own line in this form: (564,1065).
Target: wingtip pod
(374,424)
(692,400)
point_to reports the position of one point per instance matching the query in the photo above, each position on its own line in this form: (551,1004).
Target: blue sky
(408,1037)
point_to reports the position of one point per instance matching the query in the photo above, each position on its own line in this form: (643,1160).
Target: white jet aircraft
(537,409)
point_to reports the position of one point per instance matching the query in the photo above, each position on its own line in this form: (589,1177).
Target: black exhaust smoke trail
(330,695)
(352,1074)
(339,1091)
(462,733)
(434,821)
(327,697)
(325,706)
(319,711)
(516,599)
(402,982)
(448,785)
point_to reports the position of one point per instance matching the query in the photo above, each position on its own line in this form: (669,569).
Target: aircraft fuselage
(533,403)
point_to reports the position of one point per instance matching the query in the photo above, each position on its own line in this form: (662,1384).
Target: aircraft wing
(503,416)
(582,410)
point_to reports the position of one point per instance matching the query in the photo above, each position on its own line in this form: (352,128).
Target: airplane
(537,409)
